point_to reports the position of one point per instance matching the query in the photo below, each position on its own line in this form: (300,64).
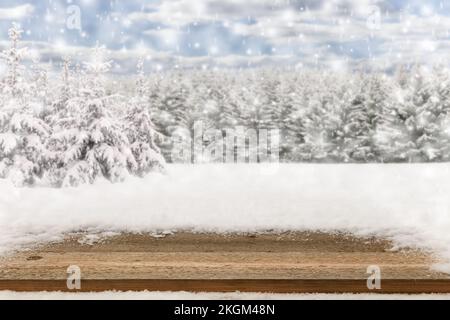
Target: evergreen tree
(141,130)
(406,127)
(364,109)
(94,142)
(22,133)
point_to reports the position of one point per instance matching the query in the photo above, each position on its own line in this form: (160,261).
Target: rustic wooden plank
(245,285)
(288,262)
(217,265)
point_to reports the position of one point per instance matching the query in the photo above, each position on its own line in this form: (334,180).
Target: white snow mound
(407,203)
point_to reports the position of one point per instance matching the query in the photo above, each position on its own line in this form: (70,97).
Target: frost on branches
(77,136)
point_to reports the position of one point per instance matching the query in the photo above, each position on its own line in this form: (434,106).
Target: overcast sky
(330,34)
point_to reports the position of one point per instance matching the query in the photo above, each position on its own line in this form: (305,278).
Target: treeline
(322,117)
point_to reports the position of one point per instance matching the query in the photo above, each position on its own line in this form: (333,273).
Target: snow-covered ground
(408,203)
(8,295)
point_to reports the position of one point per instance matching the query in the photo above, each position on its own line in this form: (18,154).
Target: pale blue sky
(337,34)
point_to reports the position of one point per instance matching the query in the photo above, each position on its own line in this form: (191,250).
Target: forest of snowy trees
(71,130)
(322,117)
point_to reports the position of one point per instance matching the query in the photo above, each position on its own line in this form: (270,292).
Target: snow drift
(407,203)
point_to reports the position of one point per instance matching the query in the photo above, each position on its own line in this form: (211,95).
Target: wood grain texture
(288,262)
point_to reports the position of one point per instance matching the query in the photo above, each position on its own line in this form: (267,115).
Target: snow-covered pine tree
(253,103)
(22,133)
(238,103)
(405,125)
(342,135)
(317,145)
(40,88)
(95,143)
(417,126)
(64,127)
(269,98)
(14,84)
(66,88)
(364,107)
(141,130)
(425,128)
(218,105)
(162,119)
(433,117)
(302,93)
(441,102)
(244,101)
(324,124)
(169,98)
(289,120)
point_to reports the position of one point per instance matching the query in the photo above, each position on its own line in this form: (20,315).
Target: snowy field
(7,295)
(409,204)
